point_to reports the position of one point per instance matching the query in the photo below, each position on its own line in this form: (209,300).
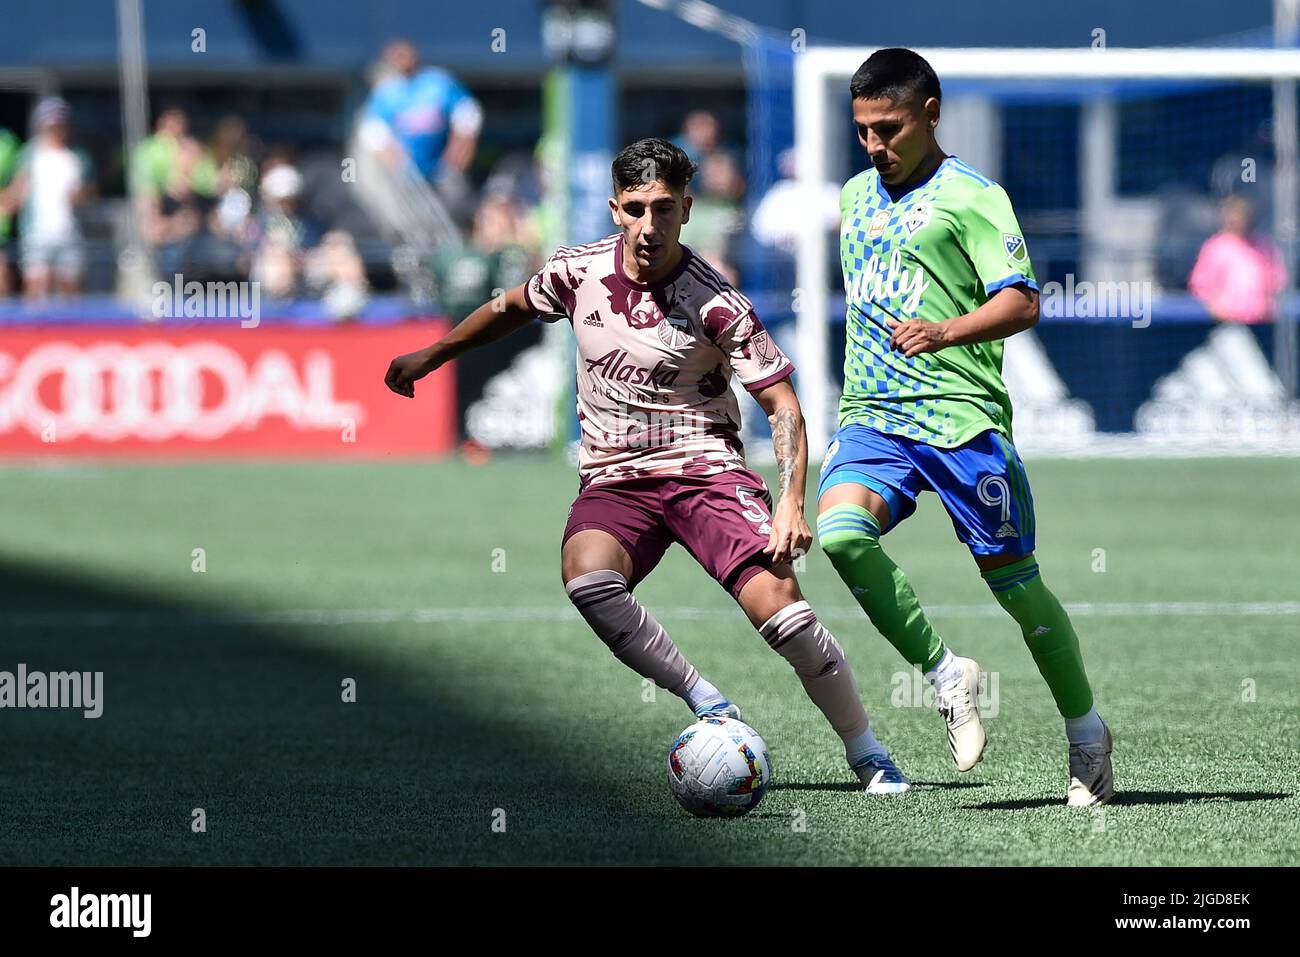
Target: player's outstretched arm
(790,536)
(491,321)
(1007,312)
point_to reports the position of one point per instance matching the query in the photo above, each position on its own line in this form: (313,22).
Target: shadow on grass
(854,786)
(203,708)
(1137,799)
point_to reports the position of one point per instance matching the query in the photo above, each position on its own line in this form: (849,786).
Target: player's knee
(766,591)
(576,562)
(593,551)
(847,534)
(1011,581)
(845,549)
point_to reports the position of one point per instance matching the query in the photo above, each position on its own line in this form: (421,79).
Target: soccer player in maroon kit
(660,334)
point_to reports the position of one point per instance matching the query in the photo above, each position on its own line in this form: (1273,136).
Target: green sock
(1047,631)
(850,536)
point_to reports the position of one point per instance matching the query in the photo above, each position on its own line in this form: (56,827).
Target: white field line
(556,613)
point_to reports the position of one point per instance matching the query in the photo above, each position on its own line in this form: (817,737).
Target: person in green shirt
(466,277)
(936,275)
(157,159)
(10,148)
(174,183)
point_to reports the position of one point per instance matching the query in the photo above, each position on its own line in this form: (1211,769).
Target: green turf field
(480,689)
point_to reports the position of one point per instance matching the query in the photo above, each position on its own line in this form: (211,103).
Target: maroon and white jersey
(655,361)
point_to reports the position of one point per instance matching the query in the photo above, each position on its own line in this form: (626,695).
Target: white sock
(1085,729)
(946,670)
(857,749)
(702,693)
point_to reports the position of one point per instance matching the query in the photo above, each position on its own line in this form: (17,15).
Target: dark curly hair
(652,160)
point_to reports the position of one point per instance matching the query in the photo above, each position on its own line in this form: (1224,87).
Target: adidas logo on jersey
(1007,531)
(593,320)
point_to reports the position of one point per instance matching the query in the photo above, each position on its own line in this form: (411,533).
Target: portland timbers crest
(674,331)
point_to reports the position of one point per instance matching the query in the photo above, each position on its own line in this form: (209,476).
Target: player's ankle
(947,669)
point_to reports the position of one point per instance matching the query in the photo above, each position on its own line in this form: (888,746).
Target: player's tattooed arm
(493,320)
(785,441)
(790,536)
(1007,312)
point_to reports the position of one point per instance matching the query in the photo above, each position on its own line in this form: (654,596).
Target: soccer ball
(719,767)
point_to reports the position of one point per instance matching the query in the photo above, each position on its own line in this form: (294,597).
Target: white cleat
(1092,781)
(956,702)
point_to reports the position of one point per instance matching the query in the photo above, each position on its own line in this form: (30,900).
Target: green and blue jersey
(938,251)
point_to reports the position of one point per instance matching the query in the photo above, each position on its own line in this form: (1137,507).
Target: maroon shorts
(723,520)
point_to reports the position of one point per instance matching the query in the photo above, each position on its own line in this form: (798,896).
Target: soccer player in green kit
(936,275)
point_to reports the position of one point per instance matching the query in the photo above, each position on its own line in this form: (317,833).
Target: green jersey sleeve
(992,239)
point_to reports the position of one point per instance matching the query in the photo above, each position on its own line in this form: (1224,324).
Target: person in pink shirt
(1238,272)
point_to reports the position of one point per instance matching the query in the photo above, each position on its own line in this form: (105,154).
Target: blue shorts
(982,484)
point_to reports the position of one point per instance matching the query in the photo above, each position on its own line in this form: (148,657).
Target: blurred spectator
(285,232)
(424,116)
(1238,272)
(10,147)
(701,139)
(701,135)
(50,181)
(154,165)
(496,258)
(518,177)
(234,154)
(717,213)
(174,180)
(334,271)
(1185,218)
(295,255)
(1248,169)
(783,210)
